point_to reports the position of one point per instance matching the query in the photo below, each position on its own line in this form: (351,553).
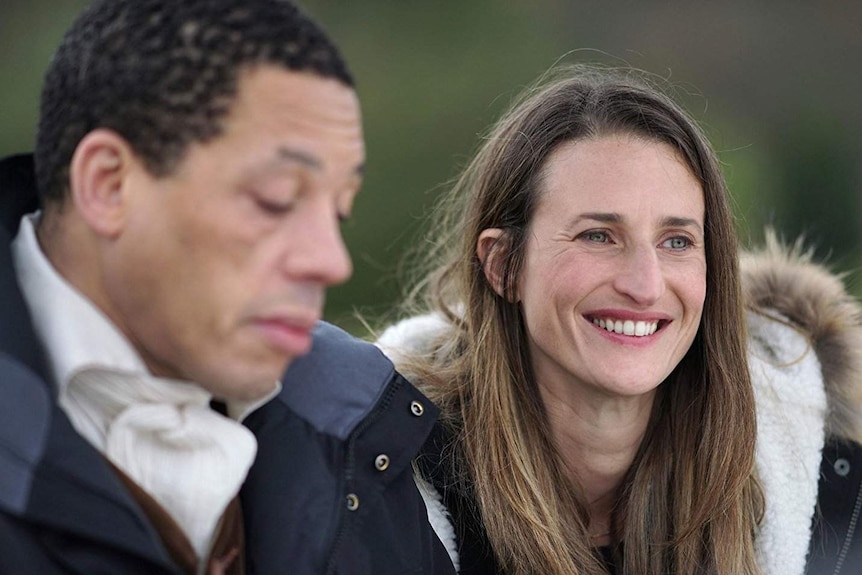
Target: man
(193,162)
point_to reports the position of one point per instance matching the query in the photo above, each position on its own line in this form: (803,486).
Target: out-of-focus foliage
(774,84)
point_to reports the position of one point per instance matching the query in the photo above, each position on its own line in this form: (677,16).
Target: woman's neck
(597,436)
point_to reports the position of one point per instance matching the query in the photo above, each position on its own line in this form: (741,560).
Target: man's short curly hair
(163,74)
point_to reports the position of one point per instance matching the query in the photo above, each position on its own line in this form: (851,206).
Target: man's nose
(319,253)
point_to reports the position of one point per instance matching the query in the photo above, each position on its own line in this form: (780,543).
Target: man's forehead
(286,90)
(282,117)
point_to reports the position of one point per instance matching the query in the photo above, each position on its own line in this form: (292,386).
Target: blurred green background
(775,84)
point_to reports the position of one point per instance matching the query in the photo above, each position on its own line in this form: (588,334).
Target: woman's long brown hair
(691,502)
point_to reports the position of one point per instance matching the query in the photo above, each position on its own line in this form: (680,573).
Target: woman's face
(614,279)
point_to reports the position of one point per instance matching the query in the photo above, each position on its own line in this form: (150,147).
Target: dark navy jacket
(331,490)
(334,472)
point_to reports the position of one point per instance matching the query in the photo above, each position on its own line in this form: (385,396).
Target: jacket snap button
(842,467)
(417,408)
(352,502)
(381,462)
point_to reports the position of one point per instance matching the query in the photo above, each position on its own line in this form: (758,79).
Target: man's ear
(491,249)
(97,176)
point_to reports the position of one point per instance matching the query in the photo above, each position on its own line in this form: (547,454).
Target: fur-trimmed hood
(785,279)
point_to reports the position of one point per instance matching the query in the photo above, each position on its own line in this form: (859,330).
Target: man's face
(219,274)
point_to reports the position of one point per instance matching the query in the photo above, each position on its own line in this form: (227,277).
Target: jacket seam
(346,482)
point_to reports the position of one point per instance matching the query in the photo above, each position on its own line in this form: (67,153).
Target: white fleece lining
(791,410)
(439,518)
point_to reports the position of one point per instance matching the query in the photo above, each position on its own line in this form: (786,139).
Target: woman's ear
(96,180)
(491,249)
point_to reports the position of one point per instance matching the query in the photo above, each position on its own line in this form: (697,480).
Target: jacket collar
(48,473)
(337,384)
(17,190)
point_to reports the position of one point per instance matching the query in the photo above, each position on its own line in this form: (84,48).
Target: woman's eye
(677,243)
(596,236)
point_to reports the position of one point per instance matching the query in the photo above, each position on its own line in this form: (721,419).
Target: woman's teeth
(628,327)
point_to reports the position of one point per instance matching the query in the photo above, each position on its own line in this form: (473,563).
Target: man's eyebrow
(299,157)
(285,154)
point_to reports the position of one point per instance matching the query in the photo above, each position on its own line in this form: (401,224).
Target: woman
(586,345)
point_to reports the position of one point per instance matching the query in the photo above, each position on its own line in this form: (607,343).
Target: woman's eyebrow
(680,222)
(614,218)
(607,217)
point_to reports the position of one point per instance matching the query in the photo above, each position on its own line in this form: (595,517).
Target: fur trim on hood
(786,280)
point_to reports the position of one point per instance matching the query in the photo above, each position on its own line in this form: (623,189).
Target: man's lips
(289,335)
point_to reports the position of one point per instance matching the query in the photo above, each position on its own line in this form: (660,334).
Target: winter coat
(331,490)
(805,357)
